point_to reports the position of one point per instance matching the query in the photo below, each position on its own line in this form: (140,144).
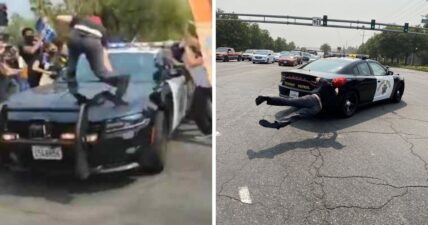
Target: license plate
(294,94)
(46,152)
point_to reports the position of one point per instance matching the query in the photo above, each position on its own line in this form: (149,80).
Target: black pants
(81,43)
(34,79)
(307,106)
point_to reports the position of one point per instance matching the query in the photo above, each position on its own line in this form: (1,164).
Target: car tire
(398,94)
(226,59)
(279,64)
(202,112)
(152,159)
(349,104)
(239,59)
(254,62)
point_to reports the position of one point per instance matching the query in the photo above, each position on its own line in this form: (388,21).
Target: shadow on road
(189,133)
(58,188)
(326,126)
(321,141)
(328,123)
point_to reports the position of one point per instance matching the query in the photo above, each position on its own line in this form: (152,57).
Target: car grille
(258,57)
(39,129)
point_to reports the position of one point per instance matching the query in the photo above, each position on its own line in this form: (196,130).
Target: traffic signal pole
(321,22)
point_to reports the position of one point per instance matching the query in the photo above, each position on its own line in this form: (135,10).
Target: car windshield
(295,53)
(140,66)
(286,54)
(326,65)
(262,52)
(249,51)
(222,49)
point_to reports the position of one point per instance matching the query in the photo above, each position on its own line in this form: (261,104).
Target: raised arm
(64,18)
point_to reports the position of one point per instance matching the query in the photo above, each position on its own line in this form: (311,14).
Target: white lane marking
(217,133)
(244,195)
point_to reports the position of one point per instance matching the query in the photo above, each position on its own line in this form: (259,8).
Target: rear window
(327,65)
(262,52)
(222,49)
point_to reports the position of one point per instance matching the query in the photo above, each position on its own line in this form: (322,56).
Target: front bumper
(260,60)
(219,57)
(287,62)
(112,151)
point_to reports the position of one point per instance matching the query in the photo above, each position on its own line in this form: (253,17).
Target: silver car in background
(263,56)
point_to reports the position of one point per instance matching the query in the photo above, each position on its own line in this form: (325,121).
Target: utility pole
(363,38)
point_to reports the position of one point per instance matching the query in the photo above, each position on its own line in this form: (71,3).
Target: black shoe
(260,99)
(276,125)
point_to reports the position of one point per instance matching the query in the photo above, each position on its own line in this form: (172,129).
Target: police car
(367,81)
(42,128)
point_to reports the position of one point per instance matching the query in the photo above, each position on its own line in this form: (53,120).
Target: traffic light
(406,28)
(324,20)
(373,24)
(3,15)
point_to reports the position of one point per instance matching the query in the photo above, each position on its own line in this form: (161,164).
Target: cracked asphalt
(181,194)
(371,168)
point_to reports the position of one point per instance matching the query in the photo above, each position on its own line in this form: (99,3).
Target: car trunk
(300,81)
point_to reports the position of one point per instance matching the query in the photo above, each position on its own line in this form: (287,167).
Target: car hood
(260,55)
(44,102)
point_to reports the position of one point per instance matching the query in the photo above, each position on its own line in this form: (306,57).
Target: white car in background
(276,56)
(248,54)
(263,56)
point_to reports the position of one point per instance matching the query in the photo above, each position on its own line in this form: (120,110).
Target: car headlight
(127,122)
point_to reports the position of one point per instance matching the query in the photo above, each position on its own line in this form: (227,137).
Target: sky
(384,11)
(21,7)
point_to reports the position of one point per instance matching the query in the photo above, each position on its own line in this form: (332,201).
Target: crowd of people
(27,65)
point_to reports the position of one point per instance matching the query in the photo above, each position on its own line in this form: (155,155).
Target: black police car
(44,128)
(367,81)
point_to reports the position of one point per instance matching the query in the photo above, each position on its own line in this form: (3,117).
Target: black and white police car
(367,81)
(42,128)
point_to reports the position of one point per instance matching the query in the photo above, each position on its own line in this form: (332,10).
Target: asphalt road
(368,169)
(181,194)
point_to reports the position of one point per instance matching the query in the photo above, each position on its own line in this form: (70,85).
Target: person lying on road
(307,106)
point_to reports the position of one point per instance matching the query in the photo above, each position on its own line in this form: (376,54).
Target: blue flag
(46,31)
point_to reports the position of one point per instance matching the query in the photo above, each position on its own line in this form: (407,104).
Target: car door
(365,82)
(385,82)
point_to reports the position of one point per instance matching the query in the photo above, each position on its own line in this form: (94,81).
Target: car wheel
(254,62)
(349,104)
(396,97)
(152,159)
(225,59)
(239,58)
(203,109)
(279,64)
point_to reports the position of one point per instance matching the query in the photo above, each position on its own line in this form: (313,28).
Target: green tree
(291,46)
(16,24)
(325,48)
(146,20)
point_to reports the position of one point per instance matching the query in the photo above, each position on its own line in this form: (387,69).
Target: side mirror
(389,73)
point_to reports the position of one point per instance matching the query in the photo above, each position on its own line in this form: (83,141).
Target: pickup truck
(225,54)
